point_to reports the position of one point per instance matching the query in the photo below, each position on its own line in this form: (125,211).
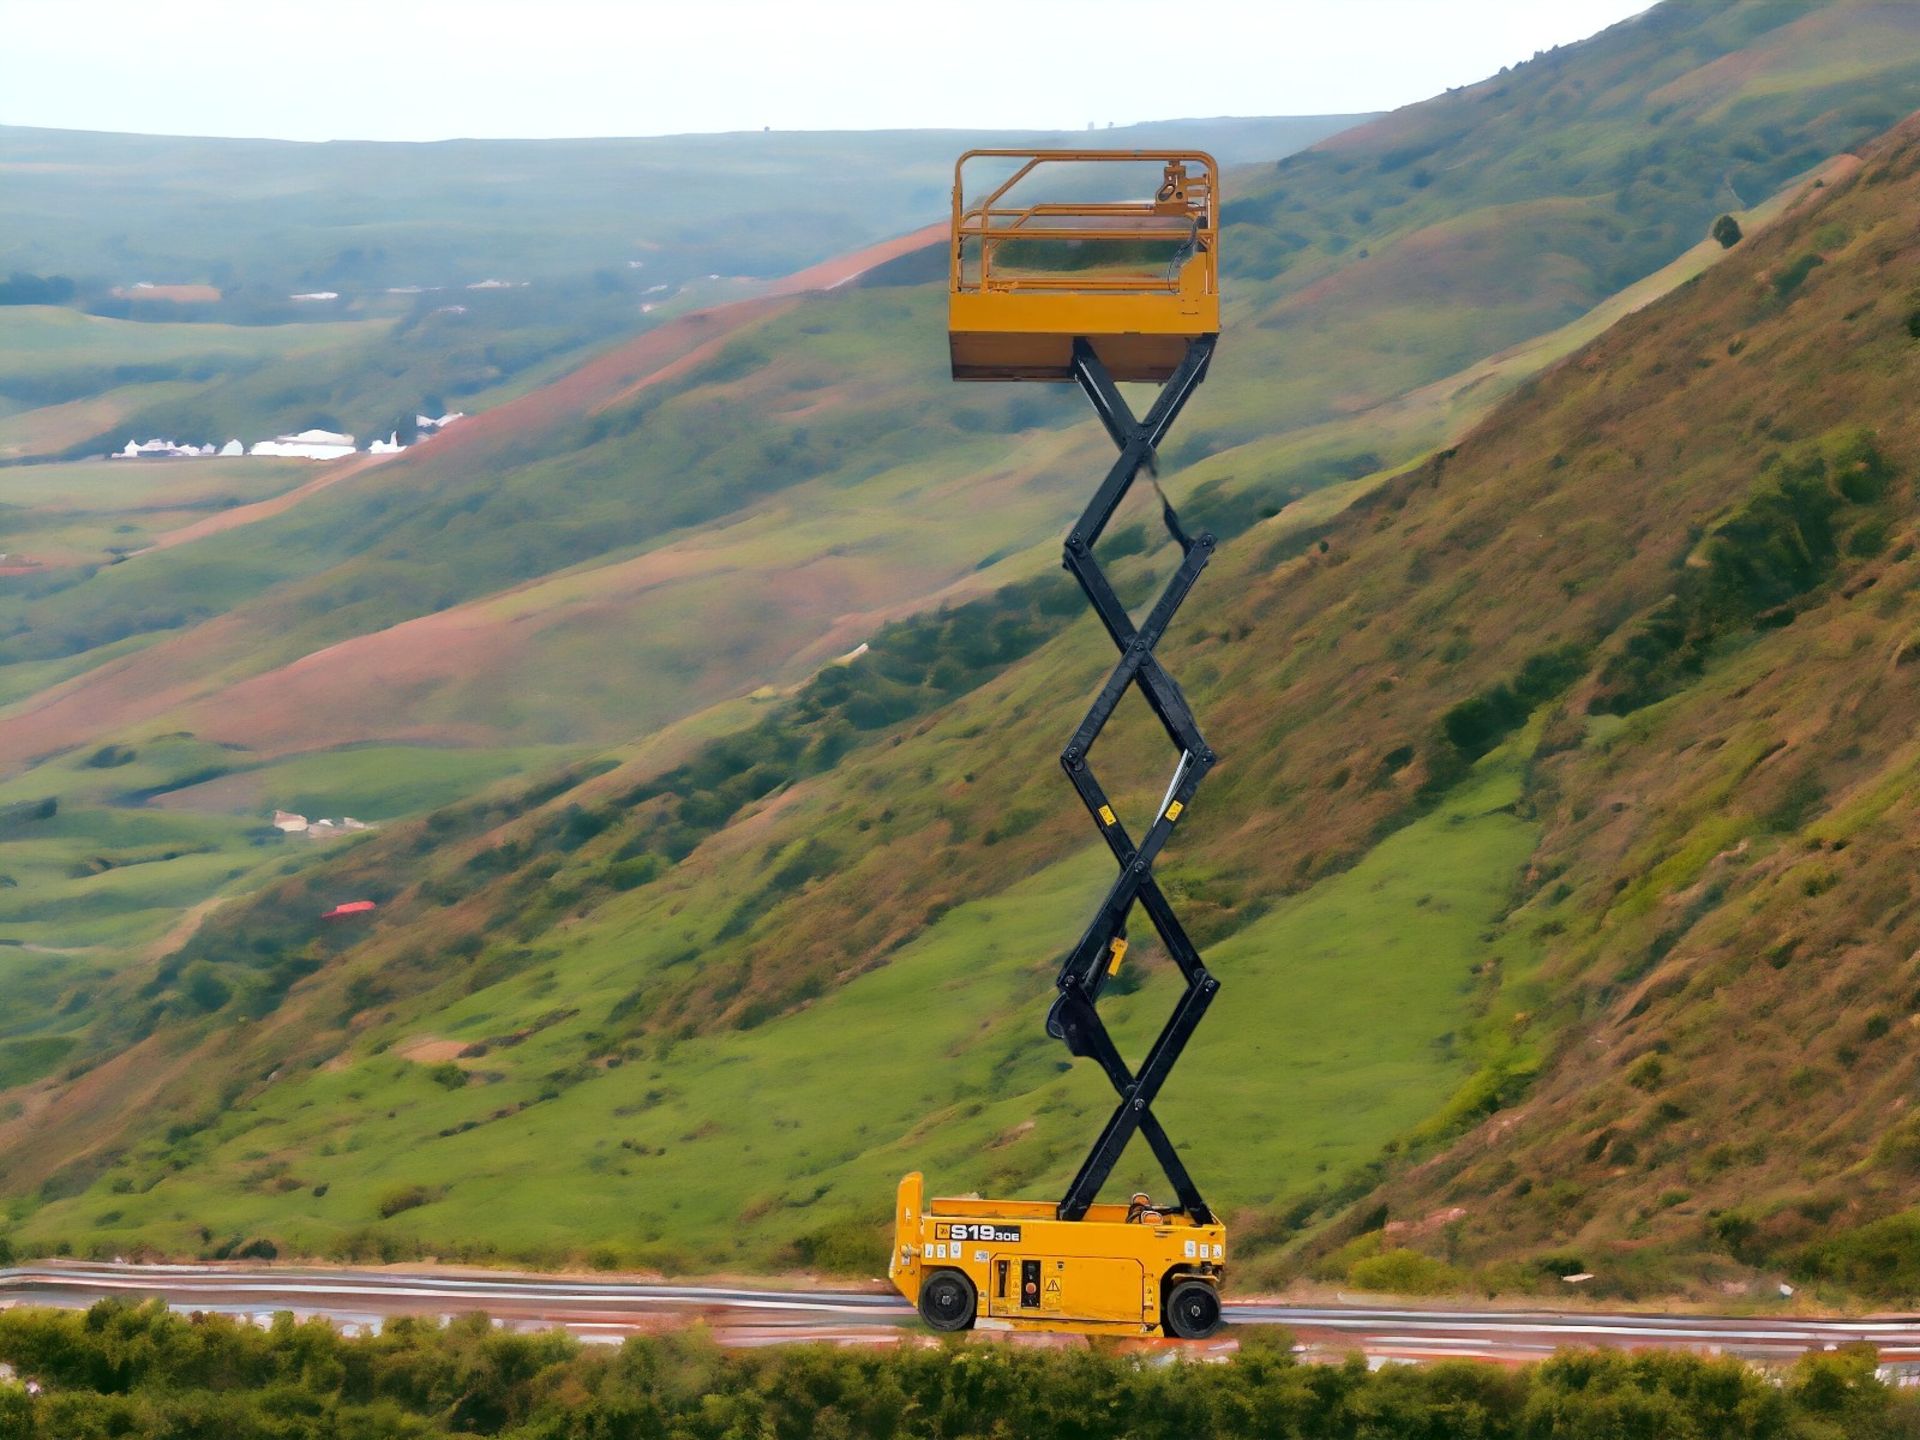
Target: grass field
(104,850)
(89,513)
(33,430)
(713,1153)
(77,381)
(89,870)
(47,343)
(74,377)
(369,782)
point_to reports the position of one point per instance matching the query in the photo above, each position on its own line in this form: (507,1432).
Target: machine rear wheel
(947,1300)
(1192,1310)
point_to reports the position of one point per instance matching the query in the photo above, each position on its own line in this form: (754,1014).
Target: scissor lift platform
(1137,279)
(1094,291)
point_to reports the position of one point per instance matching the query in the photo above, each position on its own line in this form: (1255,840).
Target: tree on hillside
(1727,231)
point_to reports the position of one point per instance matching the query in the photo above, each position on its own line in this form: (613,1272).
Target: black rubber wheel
(947,1300)
(1192,1311)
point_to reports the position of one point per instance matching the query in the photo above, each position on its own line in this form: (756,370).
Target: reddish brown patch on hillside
(353,690)
(1450,260)
(361,688)
(333,692)
(431,1050)
(720,324)
(329,696)
(833,273)
(414,654)
(663,353)
(666,352)
(120,692)
(627,367)
(92,1110)
(1841,167)
(174,294)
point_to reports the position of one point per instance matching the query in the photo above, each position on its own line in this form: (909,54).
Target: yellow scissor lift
(1093,291)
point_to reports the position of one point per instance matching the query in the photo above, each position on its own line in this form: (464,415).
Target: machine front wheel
(1192,1311)
(947,1300)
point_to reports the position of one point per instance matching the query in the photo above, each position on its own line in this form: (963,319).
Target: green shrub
(1559,1264)
(1841,1387)
(120,1369)
(30,1057)
(632,874)
(1795,275)
(202,986)
(1733,1232)
(24,812)
(1646,1072)
(407,1197)
(1880,1259)
(1899,1147)
(1480,722)
(1405,1272)
(1779,545)
(846,1247)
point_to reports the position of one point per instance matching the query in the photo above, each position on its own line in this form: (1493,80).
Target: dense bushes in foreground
(121,1370)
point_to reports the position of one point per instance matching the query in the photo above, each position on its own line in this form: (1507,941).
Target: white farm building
(307,445)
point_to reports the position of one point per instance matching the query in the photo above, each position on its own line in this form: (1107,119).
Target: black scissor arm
(1075,1016)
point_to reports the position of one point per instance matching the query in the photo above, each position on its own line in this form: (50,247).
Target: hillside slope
(1505,236)
(657,1013)
(525,587)
(1504,539)
(1722,891)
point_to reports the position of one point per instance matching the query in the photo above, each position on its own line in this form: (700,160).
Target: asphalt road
(610,1310)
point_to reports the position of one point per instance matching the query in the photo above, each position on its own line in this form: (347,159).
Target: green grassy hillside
(1721,885)
(695,1001)
(778,1142)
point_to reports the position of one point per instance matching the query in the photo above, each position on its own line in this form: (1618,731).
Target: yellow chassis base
(1028,1270)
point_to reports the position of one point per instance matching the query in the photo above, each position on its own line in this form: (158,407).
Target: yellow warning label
(1051,1300)
(1119,954)
(1106,815)
(1173,811)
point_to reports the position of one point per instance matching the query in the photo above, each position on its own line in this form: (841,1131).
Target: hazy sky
(431,69)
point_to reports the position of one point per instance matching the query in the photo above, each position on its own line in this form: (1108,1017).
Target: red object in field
(351,907)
